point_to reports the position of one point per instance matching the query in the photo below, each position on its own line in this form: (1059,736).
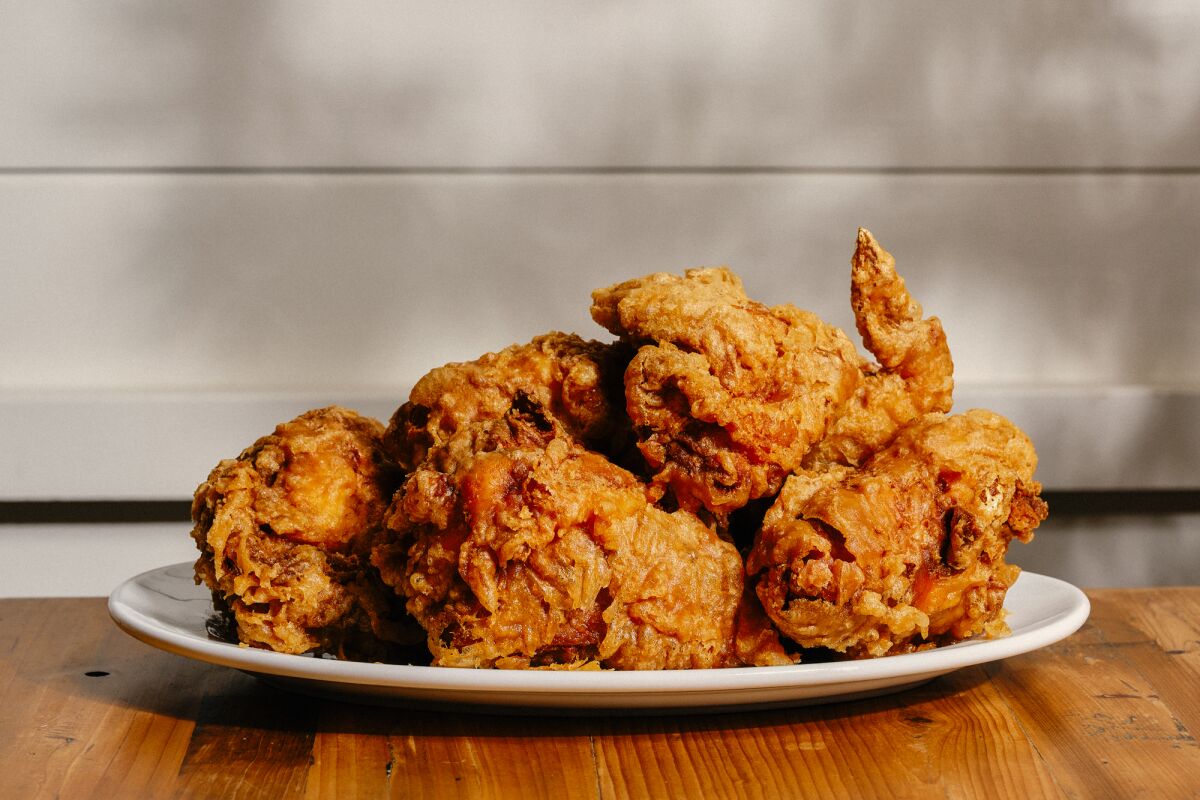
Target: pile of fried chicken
(725,484)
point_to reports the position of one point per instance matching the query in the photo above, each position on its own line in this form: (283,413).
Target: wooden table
(1113,711)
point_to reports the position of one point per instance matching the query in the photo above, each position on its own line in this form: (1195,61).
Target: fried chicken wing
(517,547)
(914,373)
(906,551)
(284,532)
(577,382)
(726,394)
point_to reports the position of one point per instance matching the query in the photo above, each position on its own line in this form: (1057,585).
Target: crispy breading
(284,532)
(577,382)
(726,394)
(756,641)
(573,504)
(914,373)
(517,547)
(906,551)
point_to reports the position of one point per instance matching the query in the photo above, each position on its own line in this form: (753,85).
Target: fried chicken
(577,382)
(284,532)
(569,504)
(907,551)
(914,373)
(517,547)
(726,395)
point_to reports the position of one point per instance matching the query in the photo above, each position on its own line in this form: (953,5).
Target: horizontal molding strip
(539,171)
(90,512)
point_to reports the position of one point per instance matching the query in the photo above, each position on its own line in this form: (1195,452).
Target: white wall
(549,84)
(337,282)
(215,214)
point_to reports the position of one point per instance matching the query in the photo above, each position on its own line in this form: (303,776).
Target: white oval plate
(164,608)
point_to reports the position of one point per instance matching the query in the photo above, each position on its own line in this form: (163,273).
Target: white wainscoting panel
(343,283)
(840,83)
(86,560)
(1115,550)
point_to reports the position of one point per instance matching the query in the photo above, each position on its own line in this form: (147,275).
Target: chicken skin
(285,530)
(577,382)
(516,547)
(725,484)
(914,373)
(907,551)
(726,395)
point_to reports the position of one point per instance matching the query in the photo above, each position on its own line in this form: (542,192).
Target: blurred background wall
(215,215)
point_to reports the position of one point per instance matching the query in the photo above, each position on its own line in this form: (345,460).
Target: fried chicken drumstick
(285,530)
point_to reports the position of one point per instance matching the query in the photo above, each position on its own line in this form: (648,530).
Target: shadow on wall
(349,280)
(842,85)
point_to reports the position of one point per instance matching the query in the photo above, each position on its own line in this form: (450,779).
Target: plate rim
(1061,619)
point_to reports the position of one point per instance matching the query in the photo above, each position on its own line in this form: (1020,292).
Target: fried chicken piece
(756,641)
(907,551)
(284,532)
(577,382)
(726,394)
(516,547)
(914,373)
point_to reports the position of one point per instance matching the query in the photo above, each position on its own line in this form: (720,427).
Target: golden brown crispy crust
(907,550)
(577,382)
(914,373)
(871,523)
(756,641)
(516,547)
(284,531)
(726,395)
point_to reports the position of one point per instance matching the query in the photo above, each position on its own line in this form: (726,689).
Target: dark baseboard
(1062,503)
(32,512)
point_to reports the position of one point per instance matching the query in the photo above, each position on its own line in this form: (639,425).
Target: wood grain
(86,711)
(1094,705)
(1171,618)
(951,734)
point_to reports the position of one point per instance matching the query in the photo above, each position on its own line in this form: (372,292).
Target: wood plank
(827,84)
(1171,619)
(352,757)
(439,755)
(121,730)
(952,737)
(1096,717)
(249,742)
(1104,713)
